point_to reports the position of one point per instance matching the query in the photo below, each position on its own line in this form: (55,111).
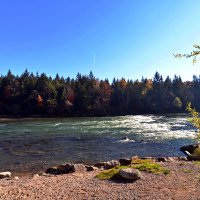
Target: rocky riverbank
(183,182)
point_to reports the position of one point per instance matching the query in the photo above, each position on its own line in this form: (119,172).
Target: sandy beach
(183,182)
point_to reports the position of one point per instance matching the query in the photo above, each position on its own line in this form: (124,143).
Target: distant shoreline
(7,117)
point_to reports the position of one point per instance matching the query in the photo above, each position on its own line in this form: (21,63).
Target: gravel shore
(182,183)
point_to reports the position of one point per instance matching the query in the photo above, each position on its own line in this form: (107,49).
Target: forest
(36,95)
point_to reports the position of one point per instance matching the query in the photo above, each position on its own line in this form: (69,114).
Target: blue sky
(129,38)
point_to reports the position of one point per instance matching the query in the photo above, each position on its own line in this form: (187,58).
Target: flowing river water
(33,144)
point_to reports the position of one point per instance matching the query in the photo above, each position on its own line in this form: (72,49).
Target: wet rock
(189,149)
(52,170)
(130,174)
(125,161)
(187,153)
(91,168)
(61,169)
(5,175)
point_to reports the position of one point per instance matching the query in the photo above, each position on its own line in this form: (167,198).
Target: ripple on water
(92,139)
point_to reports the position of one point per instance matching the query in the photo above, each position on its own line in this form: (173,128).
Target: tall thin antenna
(94,60)
(94,63)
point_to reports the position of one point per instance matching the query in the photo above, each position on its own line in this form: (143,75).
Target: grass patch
(146,165)
(151,168)
(110,173)
(142,161)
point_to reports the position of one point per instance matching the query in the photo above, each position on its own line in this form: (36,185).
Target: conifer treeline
(36,95)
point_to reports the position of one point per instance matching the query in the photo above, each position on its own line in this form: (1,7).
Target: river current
(33,144)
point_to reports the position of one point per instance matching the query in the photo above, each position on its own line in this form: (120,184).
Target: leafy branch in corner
(195,53)
(195,119)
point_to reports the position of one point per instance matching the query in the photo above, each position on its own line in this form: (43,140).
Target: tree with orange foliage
(39,101)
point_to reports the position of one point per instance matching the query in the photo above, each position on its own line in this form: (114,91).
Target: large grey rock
(130,174)
(5,175)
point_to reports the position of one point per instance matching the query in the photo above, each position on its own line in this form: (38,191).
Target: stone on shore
(107,165)
(61,169)
(134,158)
(189,149)
(130,174)
(125,161)
(16,178)
(5,175)
(36,175)
(80,168)
(192,151)
(182,158)
(91,168)
(162,159)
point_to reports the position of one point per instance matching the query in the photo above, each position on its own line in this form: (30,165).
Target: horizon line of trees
(39,95)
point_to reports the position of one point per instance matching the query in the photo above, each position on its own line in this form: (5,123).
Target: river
(33,144)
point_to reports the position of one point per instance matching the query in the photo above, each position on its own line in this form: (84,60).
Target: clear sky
(129,38)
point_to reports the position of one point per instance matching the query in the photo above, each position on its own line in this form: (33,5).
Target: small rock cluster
(69,168)
(127,173)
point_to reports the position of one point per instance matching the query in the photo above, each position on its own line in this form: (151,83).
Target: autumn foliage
(30,94)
